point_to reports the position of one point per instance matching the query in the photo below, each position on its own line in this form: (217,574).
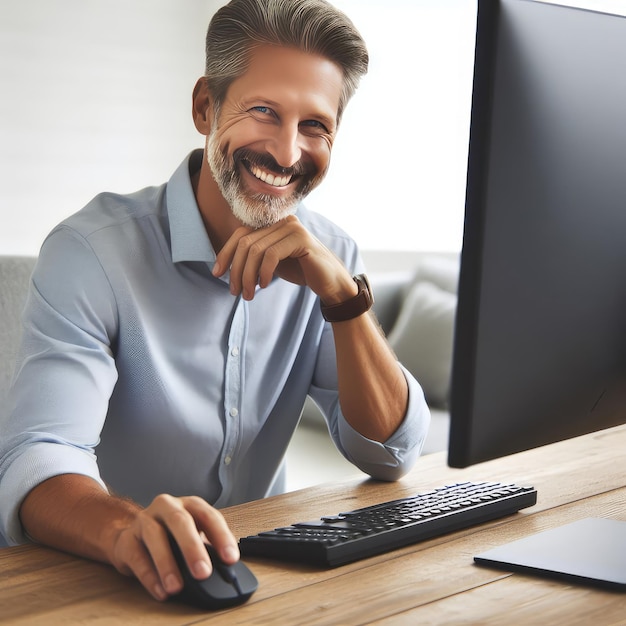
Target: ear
(202,107)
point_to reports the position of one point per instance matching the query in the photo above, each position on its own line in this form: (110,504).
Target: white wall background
(95,95)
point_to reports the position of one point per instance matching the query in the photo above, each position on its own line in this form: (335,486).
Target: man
(176,332)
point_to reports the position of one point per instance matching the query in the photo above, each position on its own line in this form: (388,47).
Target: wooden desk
(434,582)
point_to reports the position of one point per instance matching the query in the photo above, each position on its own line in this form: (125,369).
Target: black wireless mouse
(228,585)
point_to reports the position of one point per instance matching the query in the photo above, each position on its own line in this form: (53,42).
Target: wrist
(348,289)
(353,306)
(120,514)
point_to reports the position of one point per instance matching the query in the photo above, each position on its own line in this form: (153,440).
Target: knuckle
(165,510)
(272,253)
(202,511)
(195,501)
(256,249)
(143,522)
(245,242)
(163,500)
(177,517)
(215,514)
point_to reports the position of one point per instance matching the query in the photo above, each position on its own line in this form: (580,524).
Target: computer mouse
(228,585)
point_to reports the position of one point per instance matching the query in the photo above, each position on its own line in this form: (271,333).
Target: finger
(168,514)
(257,258)
(282,259)
(237,245)
(134,559)
(224,257)
(258,254)
(210,521)
(182,525)
(156,522)
(143,549)
(156,540)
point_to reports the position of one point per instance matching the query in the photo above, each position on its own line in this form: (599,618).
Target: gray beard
(257,210)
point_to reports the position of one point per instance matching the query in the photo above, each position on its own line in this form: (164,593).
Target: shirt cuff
(39,462)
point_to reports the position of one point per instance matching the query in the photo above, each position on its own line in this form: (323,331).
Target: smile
(269,178)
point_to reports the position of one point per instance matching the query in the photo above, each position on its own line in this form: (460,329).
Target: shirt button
(227,460)
(235,351)
(234,412)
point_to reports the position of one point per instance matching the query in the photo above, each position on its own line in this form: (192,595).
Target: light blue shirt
(140,369)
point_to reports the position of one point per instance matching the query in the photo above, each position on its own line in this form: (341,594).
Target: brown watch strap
(359,304)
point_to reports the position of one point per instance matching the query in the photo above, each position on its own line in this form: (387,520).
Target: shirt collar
(190,241)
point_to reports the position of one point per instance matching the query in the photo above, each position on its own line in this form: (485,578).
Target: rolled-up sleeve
(65,373)
(396,456)
(383,461)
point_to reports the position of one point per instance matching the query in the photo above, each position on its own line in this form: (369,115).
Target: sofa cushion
(441,270)
(389,290)
(15,274)
(422,338)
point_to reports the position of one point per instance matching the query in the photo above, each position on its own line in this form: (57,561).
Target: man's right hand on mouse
(142,548)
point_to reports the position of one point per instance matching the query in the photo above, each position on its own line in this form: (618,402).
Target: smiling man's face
(273,138)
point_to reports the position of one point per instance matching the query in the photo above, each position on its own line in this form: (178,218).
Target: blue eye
(315,124)
(261,109)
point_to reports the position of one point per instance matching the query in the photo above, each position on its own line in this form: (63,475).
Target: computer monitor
(540,340)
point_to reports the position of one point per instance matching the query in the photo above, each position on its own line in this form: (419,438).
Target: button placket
(233,382)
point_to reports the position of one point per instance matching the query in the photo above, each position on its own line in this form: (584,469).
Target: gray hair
(313,26)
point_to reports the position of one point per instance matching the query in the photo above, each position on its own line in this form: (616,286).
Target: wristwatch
(355,306)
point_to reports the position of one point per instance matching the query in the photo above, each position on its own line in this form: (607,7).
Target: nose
(285,145)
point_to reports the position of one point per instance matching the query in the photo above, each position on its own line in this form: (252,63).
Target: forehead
(290,77)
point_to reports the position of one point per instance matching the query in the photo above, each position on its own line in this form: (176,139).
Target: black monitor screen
(540,340)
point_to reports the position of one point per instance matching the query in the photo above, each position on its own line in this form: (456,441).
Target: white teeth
(270,179)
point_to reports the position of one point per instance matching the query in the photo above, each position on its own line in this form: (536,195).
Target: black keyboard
(345,537)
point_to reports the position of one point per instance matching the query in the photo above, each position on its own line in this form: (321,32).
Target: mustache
(268,162)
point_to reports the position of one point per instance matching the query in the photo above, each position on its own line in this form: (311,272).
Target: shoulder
(111,211)
(110,228)
(79,255)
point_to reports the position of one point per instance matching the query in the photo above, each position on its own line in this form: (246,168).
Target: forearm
(373,391)
(73,513)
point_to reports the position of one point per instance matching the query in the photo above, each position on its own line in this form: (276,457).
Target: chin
(261,214)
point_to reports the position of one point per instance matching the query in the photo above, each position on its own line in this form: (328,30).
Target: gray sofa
(15,272)
(14,275)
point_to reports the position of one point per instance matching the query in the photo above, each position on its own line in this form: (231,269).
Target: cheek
(236,135)
(324,162)
(319,150)
(241,134)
